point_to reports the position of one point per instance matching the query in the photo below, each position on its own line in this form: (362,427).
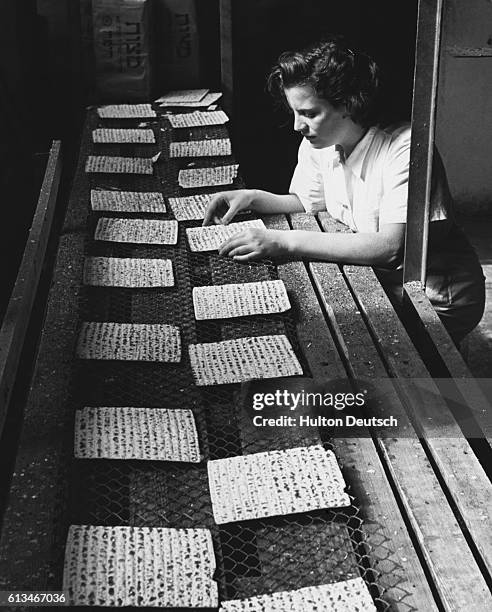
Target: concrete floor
(479,231)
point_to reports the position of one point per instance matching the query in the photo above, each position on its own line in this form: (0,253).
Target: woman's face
(316,119)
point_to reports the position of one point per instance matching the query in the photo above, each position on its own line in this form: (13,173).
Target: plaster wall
(464,112)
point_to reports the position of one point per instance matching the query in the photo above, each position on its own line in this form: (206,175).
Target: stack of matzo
(182,96)
(137,231)
(347,596)
(128,272)
(190,208)
(201,148)
(240,300)
(197,118)
(127,201)
(275,483)
(206,177)
(119,165)
(139,566)
(123,136)
(126,111)
(207,100)
(129,342)
(243,359)
(211,237)
(152,434)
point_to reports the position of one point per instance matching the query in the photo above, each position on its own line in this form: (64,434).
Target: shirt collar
(356,159)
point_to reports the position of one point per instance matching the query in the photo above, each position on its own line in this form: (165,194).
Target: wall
(464,117)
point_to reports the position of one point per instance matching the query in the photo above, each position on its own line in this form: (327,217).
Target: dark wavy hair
(336,73)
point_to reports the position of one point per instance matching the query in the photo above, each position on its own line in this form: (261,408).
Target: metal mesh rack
(253,557)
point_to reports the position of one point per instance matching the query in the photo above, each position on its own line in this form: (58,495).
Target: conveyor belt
(254,557)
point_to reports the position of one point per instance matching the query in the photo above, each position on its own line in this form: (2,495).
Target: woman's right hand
(223,207)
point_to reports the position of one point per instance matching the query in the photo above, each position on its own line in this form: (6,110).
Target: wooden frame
(16,320)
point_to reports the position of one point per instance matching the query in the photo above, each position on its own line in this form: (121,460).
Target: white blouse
(370,189)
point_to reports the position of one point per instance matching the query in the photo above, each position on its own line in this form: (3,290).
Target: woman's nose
(299,123)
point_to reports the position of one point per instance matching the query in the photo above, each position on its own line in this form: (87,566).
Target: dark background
(46,83)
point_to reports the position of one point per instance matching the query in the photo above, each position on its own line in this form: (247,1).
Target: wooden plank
(15,323)
(425,503)
(463,475)
(422,144)
(457,51)
(462,472)
(387,536)
(313,335)
(462,387)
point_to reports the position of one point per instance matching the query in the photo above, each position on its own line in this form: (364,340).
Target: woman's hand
(256,243)
(223,207)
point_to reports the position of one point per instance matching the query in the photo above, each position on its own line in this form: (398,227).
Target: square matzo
(201,148)
(243,359)
(128,272)
(153,434)
(123,136)
(211,237)
(197,118)
(190,208)
(139,566)
(108,200)
(346,596)
(275,483)
(137,231)
(206,177)
(126,111)
(129,342)
(119,165)
(240,300)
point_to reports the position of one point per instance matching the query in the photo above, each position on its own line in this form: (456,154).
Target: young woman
(358,172)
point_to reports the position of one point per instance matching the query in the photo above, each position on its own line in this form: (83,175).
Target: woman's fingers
(231,243)
(253,255)
(216,208)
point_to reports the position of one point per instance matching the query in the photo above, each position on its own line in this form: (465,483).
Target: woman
(358,172)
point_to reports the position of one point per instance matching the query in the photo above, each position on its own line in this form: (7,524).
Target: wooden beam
(16,320)
(422,146)
(226,54)
(426,506)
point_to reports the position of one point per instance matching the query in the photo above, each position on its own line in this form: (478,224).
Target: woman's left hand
(255,243)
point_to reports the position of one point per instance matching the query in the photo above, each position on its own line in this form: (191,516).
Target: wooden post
(226,54)
(16,319)
(423,127)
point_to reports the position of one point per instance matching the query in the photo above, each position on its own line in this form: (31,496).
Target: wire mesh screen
(253,557)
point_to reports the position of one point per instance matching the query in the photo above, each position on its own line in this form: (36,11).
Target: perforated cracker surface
(119,165)
(153,434)
(243,359)
(240,299)
(347,596)
(211,237)
(139,566)
(275,483)
(129,341)
(137,231)
(128,272)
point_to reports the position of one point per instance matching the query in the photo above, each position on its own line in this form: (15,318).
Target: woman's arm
(381,249)
(224,206)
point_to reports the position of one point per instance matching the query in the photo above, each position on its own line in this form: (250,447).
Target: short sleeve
(393,204)
(307,182)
